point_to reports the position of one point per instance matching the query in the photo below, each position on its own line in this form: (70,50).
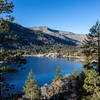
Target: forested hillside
(42,36)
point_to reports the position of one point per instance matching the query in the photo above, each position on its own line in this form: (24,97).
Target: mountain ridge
(46,27)
(59,33)
(42,36)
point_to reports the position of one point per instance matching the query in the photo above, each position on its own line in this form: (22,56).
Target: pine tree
(75,73)
(57,74)
(92,44)
(30,88)
(92,85)
(6,8)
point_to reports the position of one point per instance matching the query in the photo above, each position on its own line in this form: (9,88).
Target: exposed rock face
(61,34)
(55,87)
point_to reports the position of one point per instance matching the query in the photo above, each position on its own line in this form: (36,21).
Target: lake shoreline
(43,69)
(55,55)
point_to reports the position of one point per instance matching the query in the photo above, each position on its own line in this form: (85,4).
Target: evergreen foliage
(57,74)
(92,44)
(75,73)
(92,84)
(7,56)
(31,89)
(6,8)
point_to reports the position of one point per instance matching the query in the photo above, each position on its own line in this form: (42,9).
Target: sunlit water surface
(43,69)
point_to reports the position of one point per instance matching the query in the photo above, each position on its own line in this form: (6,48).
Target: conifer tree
(92,85)
(92,44)
(57,74)
(75,73)
(31,88)
(6,8)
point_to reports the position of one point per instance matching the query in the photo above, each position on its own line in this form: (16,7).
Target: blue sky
(69,15)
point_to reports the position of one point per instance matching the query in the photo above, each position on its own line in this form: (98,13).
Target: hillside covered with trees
(16,40)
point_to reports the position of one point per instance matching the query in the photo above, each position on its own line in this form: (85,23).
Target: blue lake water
(43,69)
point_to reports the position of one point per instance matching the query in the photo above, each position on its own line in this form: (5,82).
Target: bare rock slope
(67,36)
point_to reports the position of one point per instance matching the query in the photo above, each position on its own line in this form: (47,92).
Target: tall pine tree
(30,88)
(6,8)
(7,55)
(92,44)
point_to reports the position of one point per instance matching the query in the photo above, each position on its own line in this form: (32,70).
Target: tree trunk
(99,64)
(31,96)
